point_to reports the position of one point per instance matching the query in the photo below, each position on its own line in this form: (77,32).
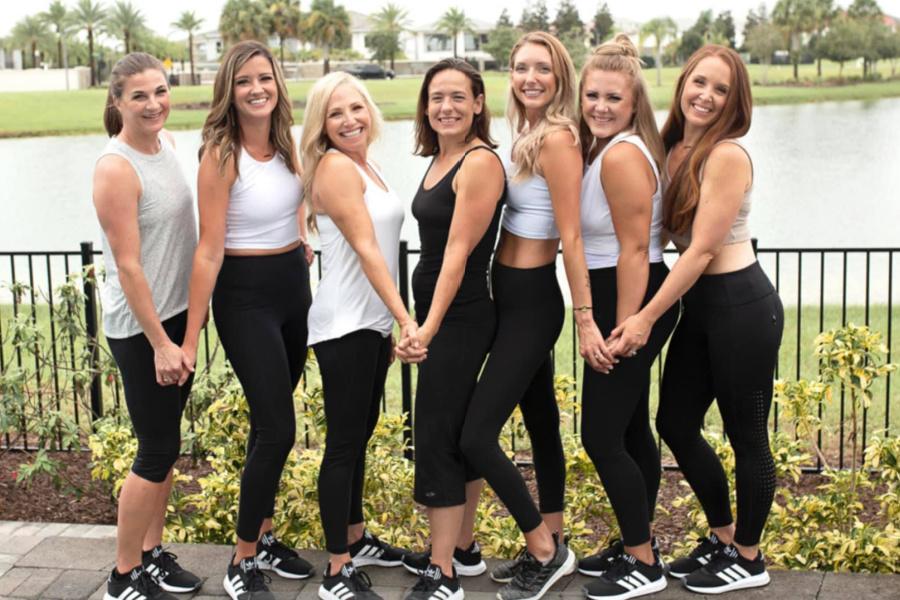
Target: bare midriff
(261,251)
(731,257)
(525,253)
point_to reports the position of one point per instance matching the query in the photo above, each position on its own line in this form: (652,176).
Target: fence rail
(821,288)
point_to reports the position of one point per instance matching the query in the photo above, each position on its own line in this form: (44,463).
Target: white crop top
(345,301)
(263,204)
(601,246)
(528,212)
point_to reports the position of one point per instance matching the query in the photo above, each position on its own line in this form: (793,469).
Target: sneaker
(626,578)
(164,568)
(505,571)
(272,555)
(533,578)
(348,584)
(369,550)
(596,564)
(244,581)
(467,563)
(728,571)
(137,584)
(434,585)
(699,556)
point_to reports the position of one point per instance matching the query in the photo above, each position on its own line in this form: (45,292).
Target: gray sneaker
(532,579)
(505,571)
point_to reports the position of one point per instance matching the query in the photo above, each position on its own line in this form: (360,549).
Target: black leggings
(260,305)
(353,369)
(725,347)
(615,417)
(519,370)
(155,410)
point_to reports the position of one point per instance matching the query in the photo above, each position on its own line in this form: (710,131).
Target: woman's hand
(188,361)
(592,347)
(631,335)
(308,251)
(168,360)
(411,349)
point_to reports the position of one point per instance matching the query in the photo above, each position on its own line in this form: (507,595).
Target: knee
(155,458)
(277,440)
(474,446)
(672,433)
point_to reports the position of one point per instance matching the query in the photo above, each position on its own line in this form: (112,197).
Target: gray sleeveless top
(168,236)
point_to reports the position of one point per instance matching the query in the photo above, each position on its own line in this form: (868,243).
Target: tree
(535,18)
(504,20)
(243,20)
(723,28)
(602,27)
(125,21)
(189,23)
(568,21)
(700,33)
(660,28)
(57,17)
(390,22)
(762,41)
(795,18)
(88,16)
(864,9)
(453,22)
(500,42)
(31,31)
(755,16)
(892,47)
(327,26)
(823,12)
(284,22)
(843,42)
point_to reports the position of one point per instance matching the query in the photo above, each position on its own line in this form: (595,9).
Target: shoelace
(280,550)
(619,569)
(719,561)
(425,583)
(168,564)
(146,584)
(528,572)
(613,550)
(706,546)
(359,581)
(257,581)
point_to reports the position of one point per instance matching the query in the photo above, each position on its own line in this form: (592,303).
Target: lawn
(24,114)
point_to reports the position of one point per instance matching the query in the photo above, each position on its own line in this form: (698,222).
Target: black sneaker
(467,563)
(532,578)
(596,564)
(434,585)
(505,571)
(699,556)
(137,584)
(728,571)
(369,550)
(626,578)
(272,555)
(348,584)
(244,581)
(164,568)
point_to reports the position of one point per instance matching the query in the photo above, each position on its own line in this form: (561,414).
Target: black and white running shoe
(369,550)
(244,581)
(596,564)
(272,555)
(164,568)
(505,571)
(699,556)
(728,571)
(627,578)
(467,563)
(434,585)
(533,578)
(347,584)
(137,584)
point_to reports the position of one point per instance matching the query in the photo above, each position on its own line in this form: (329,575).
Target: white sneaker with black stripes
(137,584)
(369,550)
(434,585)
(347,584)
(728,571)
(627,578)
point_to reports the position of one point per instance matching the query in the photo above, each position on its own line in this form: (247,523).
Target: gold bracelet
(584,308)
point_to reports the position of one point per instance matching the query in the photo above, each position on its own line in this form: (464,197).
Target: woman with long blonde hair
(253,261)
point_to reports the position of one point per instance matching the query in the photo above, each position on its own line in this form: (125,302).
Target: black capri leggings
(260,305)
(353,370)
(615,417)
(519,370)
(725,347)
(443,392)
(155,410)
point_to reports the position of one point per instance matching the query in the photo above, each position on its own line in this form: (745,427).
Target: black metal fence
(821,288)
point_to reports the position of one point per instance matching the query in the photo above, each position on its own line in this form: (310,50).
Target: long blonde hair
(620,55)
(222,132)
(560,113)
(314,142)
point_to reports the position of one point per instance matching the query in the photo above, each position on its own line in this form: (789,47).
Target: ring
(633,353)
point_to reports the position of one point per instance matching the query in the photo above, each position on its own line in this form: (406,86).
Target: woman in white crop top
(358,218)
(725,346)
(251,251)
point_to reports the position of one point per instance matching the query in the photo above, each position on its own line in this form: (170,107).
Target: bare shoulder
(209,165)
(623,155)
(336,173)
(114,171)
(727,156)
(559,139)
(169,137)
(482,162)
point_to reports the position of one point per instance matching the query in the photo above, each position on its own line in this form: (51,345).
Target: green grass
(25,114)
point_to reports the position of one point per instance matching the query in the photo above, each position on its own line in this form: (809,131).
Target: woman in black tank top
(458,209)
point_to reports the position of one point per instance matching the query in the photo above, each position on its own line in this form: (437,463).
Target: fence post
(90,322)
(405,369)
(755,243)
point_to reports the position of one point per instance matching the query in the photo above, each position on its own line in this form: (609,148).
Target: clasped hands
(174,364)
(413,344)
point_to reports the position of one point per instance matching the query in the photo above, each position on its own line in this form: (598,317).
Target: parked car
(370,71)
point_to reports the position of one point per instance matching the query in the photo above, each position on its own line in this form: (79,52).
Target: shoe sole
(178,589)
(749,582)
(567,568)
(671,573)
(461,569)
(368,561)
(501,579)
(590,573)
(653,587)
(286,574)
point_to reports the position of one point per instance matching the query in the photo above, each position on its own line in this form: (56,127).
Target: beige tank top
(739,231)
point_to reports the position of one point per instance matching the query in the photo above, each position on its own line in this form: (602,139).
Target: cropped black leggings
(353,370)
(260,305)
(615,417)
(725,347)
(519,370)
(155,410)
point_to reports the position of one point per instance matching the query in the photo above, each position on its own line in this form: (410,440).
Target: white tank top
(263,205)
(345,301)
(601,246)
(528,212)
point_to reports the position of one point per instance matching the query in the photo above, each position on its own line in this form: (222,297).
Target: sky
(161,13)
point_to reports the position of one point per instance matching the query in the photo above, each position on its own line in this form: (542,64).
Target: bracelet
(584,308)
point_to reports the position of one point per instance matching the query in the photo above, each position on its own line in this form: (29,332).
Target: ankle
(747,552)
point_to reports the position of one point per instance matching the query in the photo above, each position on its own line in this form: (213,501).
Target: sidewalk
(60,561)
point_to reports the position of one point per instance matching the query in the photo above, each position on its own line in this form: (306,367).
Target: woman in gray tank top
(145,209)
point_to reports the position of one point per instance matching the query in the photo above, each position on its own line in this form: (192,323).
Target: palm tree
(243,20)
(189,22)
(125,20)
(57,16)
(453,22)
(794,17)
(284,21)
(660,28)
(326,26)
(89,16)
(390,22)
(31,31)
(823,11)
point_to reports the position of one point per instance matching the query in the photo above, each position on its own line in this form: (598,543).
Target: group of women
(589,173)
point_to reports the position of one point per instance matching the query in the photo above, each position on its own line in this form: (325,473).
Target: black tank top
(433,209)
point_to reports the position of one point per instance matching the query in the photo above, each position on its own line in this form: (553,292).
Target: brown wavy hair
(683,192)
(426,138)
(222,130)
(125,67)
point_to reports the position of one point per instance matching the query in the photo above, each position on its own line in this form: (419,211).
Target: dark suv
(370,71)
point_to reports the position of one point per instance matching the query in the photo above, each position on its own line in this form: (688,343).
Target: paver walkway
(60,561)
